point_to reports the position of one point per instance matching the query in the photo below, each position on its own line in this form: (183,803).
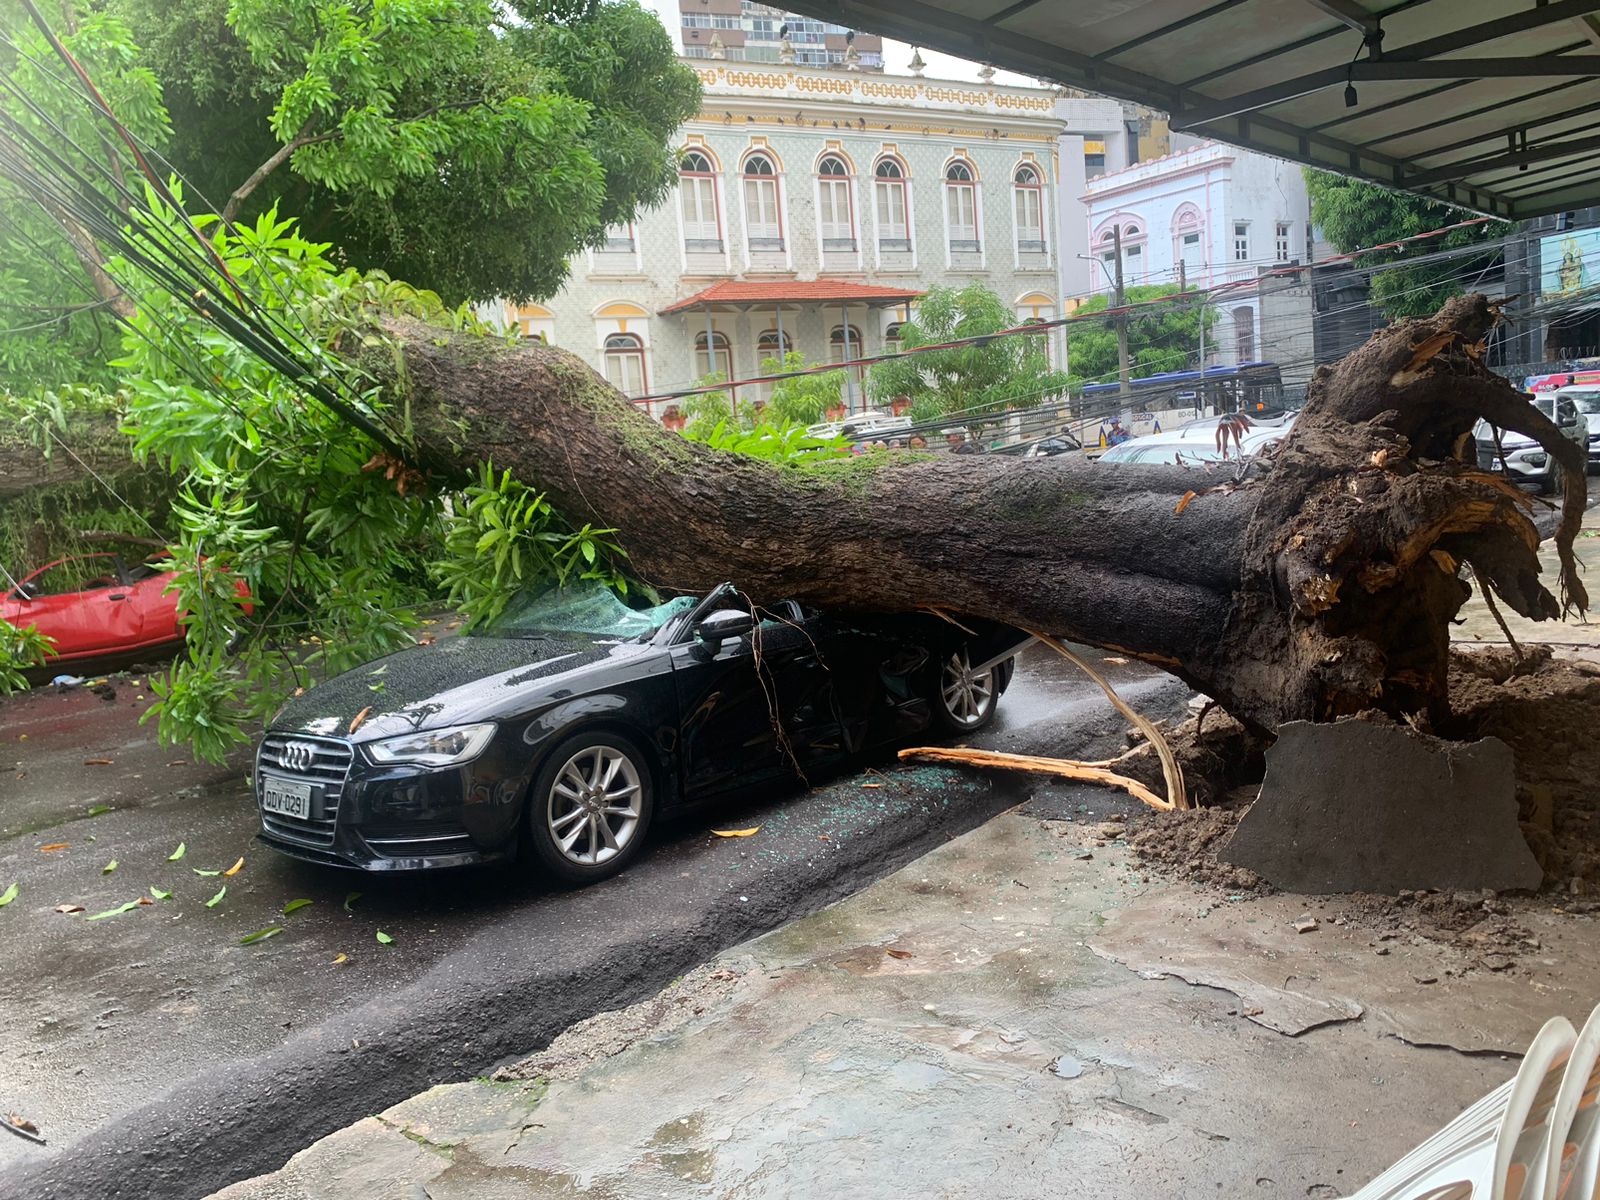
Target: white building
(1096,140)
(813,207)
(1210,215)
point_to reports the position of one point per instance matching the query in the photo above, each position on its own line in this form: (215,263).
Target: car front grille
(323,762)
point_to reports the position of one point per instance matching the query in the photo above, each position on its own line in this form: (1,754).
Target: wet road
(161,1058)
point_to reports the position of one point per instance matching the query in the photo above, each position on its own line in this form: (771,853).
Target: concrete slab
(1359,806)
(953,1031)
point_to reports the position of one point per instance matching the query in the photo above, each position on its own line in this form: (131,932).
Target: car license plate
(286,798)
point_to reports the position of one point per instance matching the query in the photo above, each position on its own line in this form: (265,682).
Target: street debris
(183,848)
(294,906)
(52,847)
(22,1127)
(1066,768)
(1306,924)
(109,867)
(384,939)
(7,896)
(736,833)
(69,908)
(260,935)
(217,899)
(235,869)
(97,762)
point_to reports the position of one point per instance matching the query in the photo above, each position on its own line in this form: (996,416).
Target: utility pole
(1123,387)
(1183,286)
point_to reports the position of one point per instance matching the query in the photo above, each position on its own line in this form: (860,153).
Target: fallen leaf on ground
(343,958)
(183,848)
(217,899)
(159,894)
(114,912)
(17,1121)
(360,717)
(69,908)
(872,785)
(97,762)
(207,874)
(351,899)
(53,847)
(7,896)
(294,906)
(751,832)
(384,938)
(145,901)
(1188,498)
(109,867)
(261,935)
(235,869)
(1118,661)
(96,809)
(898,953)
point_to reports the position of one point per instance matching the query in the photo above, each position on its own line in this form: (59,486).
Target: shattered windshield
(585,607)
(1588,402)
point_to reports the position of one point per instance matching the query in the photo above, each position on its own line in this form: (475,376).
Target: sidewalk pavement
(1002,1018)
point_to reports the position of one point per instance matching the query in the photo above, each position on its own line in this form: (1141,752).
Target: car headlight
(434,747)
(1534,458)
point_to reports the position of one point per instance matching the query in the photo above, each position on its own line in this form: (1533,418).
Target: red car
(97,606)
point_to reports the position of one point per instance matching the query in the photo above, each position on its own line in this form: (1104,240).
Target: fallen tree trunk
(1321,585)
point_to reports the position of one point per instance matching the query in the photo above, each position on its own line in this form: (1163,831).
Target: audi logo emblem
(298,756)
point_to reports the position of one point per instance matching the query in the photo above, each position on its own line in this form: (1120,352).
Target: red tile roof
(791,291)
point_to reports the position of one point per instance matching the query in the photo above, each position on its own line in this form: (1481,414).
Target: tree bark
(97,445)
(1320,584)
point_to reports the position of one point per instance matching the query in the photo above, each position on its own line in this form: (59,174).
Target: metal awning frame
(1242,120)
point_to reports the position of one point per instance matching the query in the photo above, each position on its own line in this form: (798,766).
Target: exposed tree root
(1064,767)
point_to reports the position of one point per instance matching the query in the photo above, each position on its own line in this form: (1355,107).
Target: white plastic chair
(1573,1155)
(1500,1147)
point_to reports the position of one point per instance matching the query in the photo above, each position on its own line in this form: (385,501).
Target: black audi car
(564,727)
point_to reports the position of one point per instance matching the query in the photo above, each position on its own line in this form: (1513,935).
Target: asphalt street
(159,1057)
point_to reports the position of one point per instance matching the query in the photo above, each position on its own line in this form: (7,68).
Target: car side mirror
(27,591)
(1568,420)
(724,623)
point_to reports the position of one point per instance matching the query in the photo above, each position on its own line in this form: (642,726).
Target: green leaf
(158,894)
(109,867)
(350,900)
(183,848)
(217,899)
(114,912)
(261,935)
(294,906)
(384,938)
(207,874)
(8,895)
(97,809)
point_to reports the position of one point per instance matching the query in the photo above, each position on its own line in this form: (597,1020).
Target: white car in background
(1586,399)
(1523,460)
(1195,444)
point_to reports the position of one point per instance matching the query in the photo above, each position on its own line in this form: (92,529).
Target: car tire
(589,807)
(964,700)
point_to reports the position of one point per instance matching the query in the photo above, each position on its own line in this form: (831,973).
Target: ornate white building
(813,206)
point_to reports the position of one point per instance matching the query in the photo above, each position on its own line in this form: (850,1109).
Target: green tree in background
(1353,213)
(467,146)
(1162,337)
(1006,372)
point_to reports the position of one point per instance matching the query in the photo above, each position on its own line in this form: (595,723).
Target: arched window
(835,209)
(719,360)
(764,221)
(697,189)
(891,338)
(772,344)
(961,205)
(624,357)
(893,205)
(844,344)
(1133,253)
(1029,197)
(1187,247)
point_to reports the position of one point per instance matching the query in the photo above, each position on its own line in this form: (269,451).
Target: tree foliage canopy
(1007,372)
(1353,213)
(1164,337)
(469,147)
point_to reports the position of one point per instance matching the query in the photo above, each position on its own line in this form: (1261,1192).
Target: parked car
(97,607)
(1195,443)
(565,727)
(1586,399)
(1522,459)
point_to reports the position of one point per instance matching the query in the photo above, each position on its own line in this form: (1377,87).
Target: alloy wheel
(594,805)
(969,696)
